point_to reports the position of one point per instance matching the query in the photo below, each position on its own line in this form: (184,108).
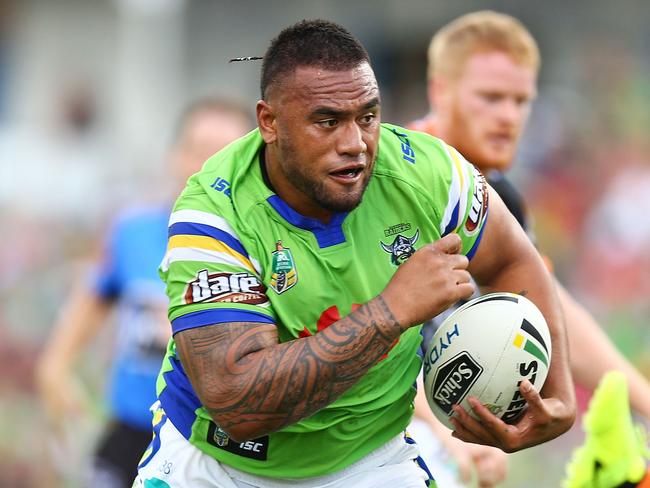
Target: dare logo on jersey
(401,248)
(225,287)
(479,204)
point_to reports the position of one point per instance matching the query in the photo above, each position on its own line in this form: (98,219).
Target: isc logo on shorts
(253,449)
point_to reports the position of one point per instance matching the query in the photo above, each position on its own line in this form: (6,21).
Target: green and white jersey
(238,253)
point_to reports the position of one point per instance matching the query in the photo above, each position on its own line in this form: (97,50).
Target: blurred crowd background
(89,92)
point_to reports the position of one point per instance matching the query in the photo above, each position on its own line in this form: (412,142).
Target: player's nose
(350,142)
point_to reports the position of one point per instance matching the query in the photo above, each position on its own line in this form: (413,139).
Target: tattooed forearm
(251,385)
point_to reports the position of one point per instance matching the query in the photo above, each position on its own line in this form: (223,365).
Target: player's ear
(266,121)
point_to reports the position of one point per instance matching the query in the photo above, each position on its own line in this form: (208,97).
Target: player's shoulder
(221,196)
(417,157)
(228,179)
(230,158)
(420,149)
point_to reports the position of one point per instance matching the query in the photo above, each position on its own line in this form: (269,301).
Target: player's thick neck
(327,233)
(280,185)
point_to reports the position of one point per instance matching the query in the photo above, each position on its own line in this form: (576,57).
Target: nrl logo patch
(401,248)
(283,269)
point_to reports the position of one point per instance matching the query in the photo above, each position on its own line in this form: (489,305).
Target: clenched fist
(431,280)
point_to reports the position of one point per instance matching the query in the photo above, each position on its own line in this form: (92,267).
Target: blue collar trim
(326,235)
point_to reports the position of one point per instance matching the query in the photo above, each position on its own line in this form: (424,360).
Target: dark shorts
(115,463)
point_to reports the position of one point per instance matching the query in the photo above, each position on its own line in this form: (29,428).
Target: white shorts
(442,466)
(178,464)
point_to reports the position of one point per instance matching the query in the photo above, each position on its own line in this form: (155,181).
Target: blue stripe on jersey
(420,461)
(422,349)
(194,229)
(472,251)
(178,399)
(217,316)
(327,235)
(155,442)
(453,222)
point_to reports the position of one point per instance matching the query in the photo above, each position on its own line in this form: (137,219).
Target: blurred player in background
(482,80)
(125,279)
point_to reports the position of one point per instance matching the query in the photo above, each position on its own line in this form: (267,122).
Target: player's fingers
(486,418)
(450,244)
(537,409)
(458,261)
(464,434)
(465,290)
(505,435)
(492,429)
(531,395)
(470,424)
(462,276)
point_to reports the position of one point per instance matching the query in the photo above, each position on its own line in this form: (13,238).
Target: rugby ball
(485,349)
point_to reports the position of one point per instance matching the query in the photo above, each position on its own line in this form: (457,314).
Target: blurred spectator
(125,278)
(615,263)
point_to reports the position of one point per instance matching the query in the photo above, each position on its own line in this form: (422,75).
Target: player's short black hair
(310,43)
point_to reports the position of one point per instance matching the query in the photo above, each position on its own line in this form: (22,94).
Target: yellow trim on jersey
(457,164)
(208,243)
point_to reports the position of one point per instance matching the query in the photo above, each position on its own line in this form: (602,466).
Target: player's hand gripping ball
(485,349)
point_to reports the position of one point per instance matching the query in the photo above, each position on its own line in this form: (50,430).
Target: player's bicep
(215,359)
